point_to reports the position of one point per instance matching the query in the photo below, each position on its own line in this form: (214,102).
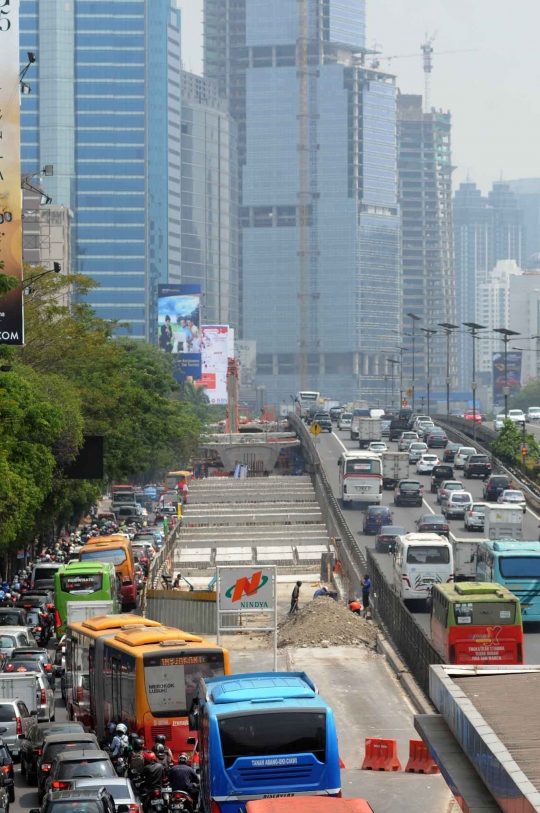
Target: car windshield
(520,567)
(460,498)
(513,496)
(115,555)
(101,767)
(466,452)
(378,512)
(500,481)
(429,458)
(8,619)
(346,416)
(428,555)
(418,447)
(452,447)
(478,458)
(409,486)
(478,509)
(453,487)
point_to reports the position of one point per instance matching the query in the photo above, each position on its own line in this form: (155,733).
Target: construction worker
(355,606)
(366,589)
(295,596)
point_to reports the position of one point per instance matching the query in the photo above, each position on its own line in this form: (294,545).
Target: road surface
(330,446)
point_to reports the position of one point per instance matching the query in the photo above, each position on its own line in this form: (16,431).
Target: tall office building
(487,230)
(210,199)
(527,192)
(425,186)
(317,149)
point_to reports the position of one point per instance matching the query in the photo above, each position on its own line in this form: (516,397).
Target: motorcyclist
(182,777)
(135,757)
(120,742)
(109,734)
(160,739)
(152,774)
(162,756)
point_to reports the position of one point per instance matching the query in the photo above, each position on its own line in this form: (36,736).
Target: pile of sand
(325,622)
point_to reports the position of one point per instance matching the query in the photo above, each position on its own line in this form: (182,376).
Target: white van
(420,561)
(462,454)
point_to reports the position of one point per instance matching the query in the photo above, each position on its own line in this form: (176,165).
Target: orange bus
(477,623)
(116,549)
(308,804)
(141,674)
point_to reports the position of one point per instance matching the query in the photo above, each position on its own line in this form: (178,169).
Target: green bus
(83,581)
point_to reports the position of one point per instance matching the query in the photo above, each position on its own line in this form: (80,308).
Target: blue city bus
(515,564)
(263,735)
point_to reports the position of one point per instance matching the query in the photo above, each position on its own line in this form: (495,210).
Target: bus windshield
(520,567)
(273,734)
(172,680)
(478,613)
(82,585)
(363,467)
(115,555)
(428,555)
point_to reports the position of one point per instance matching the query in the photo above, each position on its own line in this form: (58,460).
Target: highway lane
(331,446)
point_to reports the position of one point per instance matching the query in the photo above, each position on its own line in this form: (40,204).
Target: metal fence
(187,610)
(413,644)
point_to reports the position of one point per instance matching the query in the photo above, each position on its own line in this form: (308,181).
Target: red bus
(477,623)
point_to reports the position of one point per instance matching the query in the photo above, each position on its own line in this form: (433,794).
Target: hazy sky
(492,93)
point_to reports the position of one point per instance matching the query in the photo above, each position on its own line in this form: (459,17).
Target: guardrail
(158,562)
(414,646)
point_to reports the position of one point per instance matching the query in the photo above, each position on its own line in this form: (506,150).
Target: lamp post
(448,328)
(474,328)
(505,333)
(393,362)
(415,319)
(429,333)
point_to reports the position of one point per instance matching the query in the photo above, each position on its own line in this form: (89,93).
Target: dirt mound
(324,622)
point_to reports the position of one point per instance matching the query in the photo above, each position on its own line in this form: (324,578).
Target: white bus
(360,478)
(420,561)
(304,399)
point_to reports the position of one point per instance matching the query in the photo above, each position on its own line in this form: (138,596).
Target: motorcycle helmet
(149,757)
(121,729)
(137,744)
(161,739)
(112,727)
(182,759)
(159,750)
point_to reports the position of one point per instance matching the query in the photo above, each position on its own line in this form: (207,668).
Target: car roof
(392,528)
(436,517)
(117,780)
(67,737)
(83,753)
(73,795)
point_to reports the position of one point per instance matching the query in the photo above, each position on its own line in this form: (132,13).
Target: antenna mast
(427,53)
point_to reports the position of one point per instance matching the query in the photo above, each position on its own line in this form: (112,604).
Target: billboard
(513,372)
(246,353)
(11,304)
(246,588)
(215,357)
(179,328)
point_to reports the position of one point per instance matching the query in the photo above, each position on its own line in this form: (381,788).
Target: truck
(465,552)
(395,468)
(328,403)
(503,521)
(369,429)
(358,413)
(78,611)
(22,686)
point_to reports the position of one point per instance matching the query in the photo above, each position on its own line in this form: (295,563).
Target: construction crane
(427,54)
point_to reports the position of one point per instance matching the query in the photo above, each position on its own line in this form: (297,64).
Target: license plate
(156,802)
(362,488)
(427,581)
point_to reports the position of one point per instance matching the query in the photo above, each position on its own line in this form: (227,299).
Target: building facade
(210,199)
(487,230)
(527,192)
(320,221)
(493,311)
(425,195)
(525,319)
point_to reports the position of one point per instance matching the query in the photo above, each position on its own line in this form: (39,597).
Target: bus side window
(489,567)
(399,554)
(440,610)
(116,689)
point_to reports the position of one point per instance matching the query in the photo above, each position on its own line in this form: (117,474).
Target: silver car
(45,699)
(475,516)
(416,450)
(12,637)
(15,719)
(457,504)
(405,440)
(120,789)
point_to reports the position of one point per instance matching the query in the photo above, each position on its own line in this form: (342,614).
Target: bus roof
(475,592)
(514,545)
(260,688)
(308,804)
(361,453)
(106,542)
(103,623)
(156,635)
(84,567)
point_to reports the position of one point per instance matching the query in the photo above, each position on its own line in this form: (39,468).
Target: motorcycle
(119,766)
(181,802)
(153,801)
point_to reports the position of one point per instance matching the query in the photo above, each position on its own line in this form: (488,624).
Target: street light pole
(505,333)
(415,319)
(448,328)
(393,362)
(474,328)
(429,333)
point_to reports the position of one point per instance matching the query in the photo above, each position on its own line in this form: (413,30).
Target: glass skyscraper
(253,49)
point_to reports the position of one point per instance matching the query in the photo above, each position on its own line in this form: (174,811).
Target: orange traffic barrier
(341,763)
(420,760)
(381,755)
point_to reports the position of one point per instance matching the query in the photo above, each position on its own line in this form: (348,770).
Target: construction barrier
(420,760)
(381,755)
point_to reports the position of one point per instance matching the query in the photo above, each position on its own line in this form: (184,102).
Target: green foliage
(73,378)
(528,396)
(6,283)
(507,446)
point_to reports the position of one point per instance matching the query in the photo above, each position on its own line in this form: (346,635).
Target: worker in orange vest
(355,606)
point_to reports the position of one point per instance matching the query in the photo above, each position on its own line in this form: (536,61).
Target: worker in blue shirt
(322,591)
(366,589)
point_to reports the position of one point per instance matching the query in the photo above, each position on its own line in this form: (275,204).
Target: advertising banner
(179,329)
(11,304)
(513,373)
(246,353)
(246,588)
(215,354)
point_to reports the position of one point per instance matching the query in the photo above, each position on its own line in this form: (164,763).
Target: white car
(498,423)
(513,497)
(378,447)
(345,420)
(416,450)
(422,423)
(405,440)
(462,453)
(474,518)
(517,416)
(533,414)
(427,463)
(45,700)
(457,504)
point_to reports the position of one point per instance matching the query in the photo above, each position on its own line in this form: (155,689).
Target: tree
(508,444)
(528,396)
(7,283)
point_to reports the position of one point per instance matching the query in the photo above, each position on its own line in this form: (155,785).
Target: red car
(471,416)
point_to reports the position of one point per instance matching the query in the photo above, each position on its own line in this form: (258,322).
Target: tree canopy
(73,378)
